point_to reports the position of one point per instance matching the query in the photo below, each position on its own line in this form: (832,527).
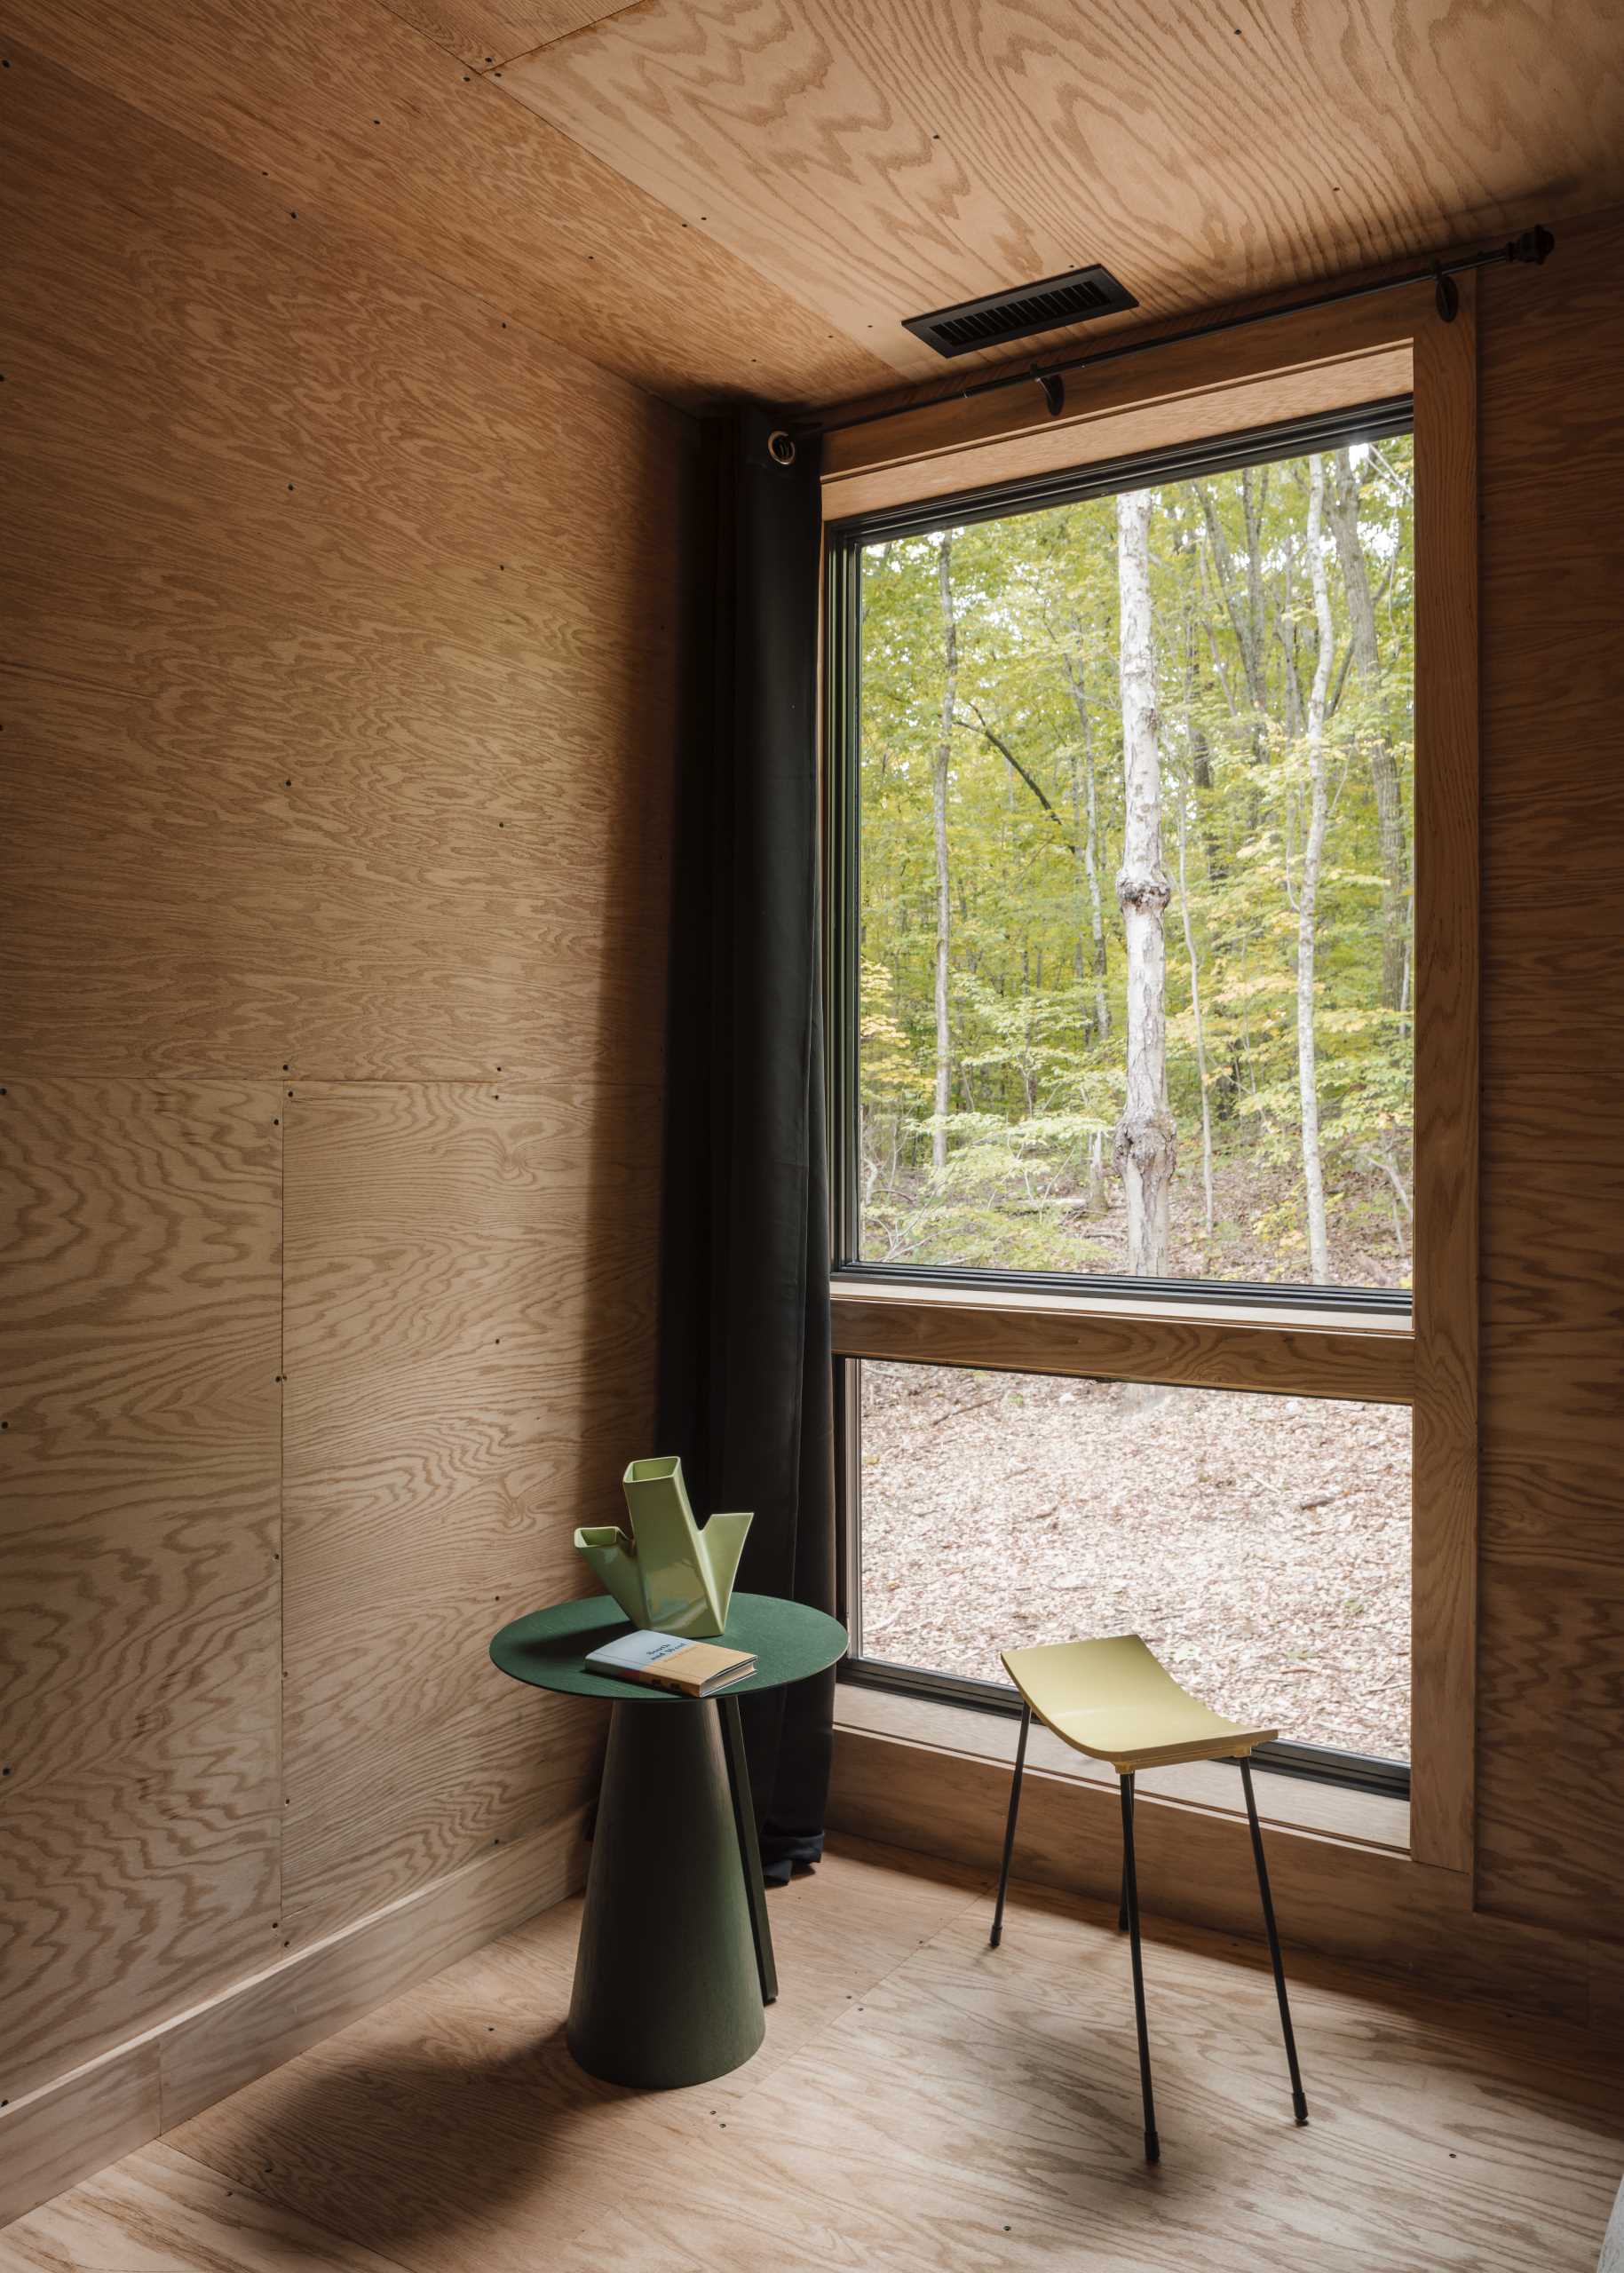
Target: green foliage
(1036,1078)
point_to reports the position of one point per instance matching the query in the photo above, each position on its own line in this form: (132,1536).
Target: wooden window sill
(1198,1345)
(1330,1810)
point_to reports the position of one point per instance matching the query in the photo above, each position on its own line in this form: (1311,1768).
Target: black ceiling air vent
(996,318)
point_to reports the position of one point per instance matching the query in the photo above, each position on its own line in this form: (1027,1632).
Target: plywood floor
(920,2103)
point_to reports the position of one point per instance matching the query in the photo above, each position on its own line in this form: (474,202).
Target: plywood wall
(1551,1778)
(338,639)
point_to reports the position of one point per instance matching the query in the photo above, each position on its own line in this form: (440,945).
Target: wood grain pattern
(469,1289)
(416,426)
(1102,425)
(491,32)
(1444,1456)
(257,2025)
(371,2132)
(1192,1345)
(337,699)
(1374,1819)
(1024,2073)
(159,2201)
(1366,1904)
(950,2106)
(1323,358)
(1607,1989)
(436,165)
(399,691)
(877,160)
(139,1347)
(392,911)
(1552,1826)
(1551,1656)
(51,2137)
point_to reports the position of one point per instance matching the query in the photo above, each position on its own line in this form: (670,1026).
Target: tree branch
(1008,755)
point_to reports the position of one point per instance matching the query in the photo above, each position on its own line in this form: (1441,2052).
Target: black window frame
(845,540)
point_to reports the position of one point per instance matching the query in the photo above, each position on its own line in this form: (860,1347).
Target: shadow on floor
(390,2145)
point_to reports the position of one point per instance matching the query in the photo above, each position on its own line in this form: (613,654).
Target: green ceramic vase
(669,1574)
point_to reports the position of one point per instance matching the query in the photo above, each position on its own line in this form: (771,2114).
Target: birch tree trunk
(1308,890)
(1090,852)
(1200,1031)
(1342,503)
(938,811)
(1145,1145)
(1247,624)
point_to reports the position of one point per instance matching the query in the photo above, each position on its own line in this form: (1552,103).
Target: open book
(666,1662)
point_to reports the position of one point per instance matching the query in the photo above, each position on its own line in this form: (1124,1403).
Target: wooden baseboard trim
(1370,1905)
(67,2129)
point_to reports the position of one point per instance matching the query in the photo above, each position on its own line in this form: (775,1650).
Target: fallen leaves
(1001,1510)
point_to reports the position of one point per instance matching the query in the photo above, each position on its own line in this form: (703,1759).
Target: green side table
(675,1963)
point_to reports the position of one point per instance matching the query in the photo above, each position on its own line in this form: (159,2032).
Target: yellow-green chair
(1113,1700)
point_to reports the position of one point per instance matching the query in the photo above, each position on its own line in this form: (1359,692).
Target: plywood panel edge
(76,2124)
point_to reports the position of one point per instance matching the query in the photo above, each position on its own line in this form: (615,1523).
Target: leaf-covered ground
(1256,1235)
(1261,1545)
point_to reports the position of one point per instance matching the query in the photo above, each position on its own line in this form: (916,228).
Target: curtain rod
(1532,245)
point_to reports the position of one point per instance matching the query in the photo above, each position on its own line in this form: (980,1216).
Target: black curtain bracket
(1530,247)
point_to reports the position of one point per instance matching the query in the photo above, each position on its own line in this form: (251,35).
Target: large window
(1129,813)
(1123,999)
(1261,1545)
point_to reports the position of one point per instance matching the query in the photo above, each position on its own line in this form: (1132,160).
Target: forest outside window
(1123,1003)
(1123,975)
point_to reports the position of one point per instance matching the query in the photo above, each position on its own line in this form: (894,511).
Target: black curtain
(745,1377)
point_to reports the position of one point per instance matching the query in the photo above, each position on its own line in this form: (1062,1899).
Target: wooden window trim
(1316,361)
(1194,1345)
(1325,359)
(1444,1460)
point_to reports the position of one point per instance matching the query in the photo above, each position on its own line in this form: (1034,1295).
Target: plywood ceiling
(726,197)
(873,158)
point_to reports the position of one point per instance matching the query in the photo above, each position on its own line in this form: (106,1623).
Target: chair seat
(1114,1700)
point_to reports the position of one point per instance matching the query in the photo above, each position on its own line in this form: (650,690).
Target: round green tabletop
(788,1640)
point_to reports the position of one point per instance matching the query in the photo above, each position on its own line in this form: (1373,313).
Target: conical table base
(676,1956)
(667,1986)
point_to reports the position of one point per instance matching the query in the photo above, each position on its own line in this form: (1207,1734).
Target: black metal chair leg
(1153,2144)
(1298,2102)
(1009,1835)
